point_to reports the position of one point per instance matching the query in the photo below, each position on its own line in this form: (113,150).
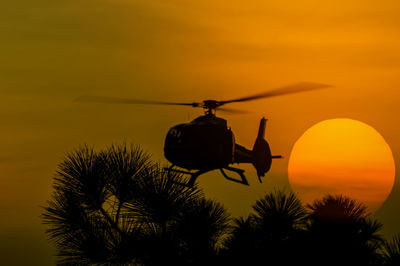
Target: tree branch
(110,221)
(118,211)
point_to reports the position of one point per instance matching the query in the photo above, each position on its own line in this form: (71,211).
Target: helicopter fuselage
(204,143)
(207,143)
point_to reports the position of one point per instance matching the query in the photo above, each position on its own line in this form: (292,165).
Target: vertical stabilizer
(261,152)
(260,156)
(261,129)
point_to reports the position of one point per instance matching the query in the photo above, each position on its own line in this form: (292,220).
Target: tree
(391,251)
(271,232)
(118,207)
(341,233)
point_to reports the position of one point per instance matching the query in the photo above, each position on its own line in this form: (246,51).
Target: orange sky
(53,52)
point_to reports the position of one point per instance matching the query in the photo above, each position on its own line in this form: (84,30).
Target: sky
(55,51)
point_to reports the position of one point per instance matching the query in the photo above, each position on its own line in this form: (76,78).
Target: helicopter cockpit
(196,144)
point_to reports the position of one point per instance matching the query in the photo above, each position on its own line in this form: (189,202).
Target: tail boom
(260,156)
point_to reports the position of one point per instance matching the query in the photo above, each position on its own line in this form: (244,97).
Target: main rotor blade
(231,111)
(295,88)
(115,100)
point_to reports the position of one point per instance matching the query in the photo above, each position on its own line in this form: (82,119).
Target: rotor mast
(210,107)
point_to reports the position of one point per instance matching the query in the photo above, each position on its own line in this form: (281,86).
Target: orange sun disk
(342,156)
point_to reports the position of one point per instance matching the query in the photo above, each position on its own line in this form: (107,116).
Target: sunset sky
(55,51)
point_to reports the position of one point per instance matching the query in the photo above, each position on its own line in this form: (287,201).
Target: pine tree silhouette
(341,233)
(270,233)
(391,251)
(118,207)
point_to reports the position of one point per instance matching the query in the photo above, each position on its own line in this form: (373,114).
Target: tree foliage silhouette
(391,251)
(118,207)
(341,233)
(273,228)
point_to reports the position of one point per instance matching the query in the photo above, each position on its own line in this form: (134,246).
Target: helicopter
(207,143)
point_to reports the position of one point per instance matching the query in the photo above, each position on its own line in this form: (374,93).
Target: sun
(342,156)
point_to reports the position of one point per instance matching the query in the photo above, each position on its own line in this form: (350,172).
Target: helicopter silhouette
(207,143)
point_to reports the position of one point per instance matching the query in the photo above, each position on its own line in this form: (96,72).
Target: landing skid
(195,175)
(240,172)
